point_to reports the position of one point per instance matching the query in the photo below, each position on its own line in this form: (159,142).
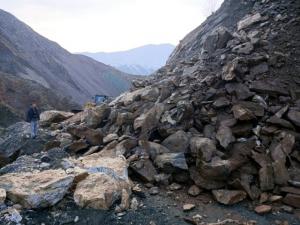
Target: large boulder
(147,121)
(171,161)
(93,117)
(54,116)
(177,142)
(15,141)
(249,20)
(203,148)
(144,170)
(36,189)
(153,149)
(217,39)
(92,136)
(107,179)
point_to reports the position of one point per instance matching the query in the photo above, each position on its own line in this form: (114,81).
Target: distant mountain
(139,61)
(29,60)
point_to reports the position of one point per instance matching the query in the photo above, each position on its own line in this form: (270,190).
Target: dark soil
(162,209)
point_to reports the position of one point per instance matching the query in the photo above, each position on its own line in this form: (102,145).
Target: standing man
(33,117)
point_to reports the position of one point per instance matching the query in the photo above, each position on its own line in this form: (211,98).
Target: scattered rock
(153,191)
(292,200)
(263,209)
(188,207)
(194,191)
(228,197)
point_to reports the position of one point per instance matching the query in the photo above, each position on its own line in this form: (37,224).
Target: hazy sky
(111,25)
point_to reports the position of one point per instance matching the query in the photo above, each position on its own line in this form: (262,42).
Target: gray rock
(170,161)
(249,20)
(245,48)
(177,142)
(225,136)
(294,117)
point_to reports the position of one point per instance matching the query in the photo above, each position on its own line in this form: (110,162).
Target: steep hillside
(28,55)
(143,60)
(220,123)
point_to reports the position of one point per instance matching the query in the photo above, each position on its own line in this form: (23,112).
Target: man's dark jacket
(33,114)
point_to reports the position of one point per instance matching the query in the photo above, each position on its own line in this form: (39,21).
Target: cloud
(109,25)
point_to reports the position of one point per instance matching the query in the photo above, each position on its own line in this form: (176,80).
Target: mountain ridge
(29,56)
(142,60)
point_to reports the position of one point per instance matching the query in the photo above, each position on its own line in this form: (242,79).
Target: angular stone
(147,121)
(225,136)
(242,113)
(110,137)
(217,39)
(242,129)
(106,181)
(174,187)
(54,116)
(292,200)
(263,209)
(241,91)
(272,88)
(177,142)
(169,161)
(266,178)
(245,48)
(77,146)
(204,148)
(100,191)
(249,20)
(291,190)
(93,137)
(234,68)
(259,69)
(229,197)
(2,195)
(218,169)
(188,207)
(93,117)
(153,149)
(37,189)
(280,122)
(144,169)
(205,182)
(14,142)
(281,175)
(221,103)
(294,117)
(194,191)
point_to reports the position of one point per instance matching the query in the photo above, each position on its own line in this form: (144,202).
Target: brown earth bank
(221,121)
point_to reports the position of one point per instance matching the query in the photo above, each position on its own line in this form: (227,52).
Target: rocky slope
(29,56)
(222,118)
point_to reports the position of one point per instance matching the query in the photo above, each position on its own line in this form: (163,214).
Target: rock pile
(223,116)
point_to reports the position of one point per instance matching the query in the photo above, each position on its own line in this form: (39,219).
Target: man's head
(33,104)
